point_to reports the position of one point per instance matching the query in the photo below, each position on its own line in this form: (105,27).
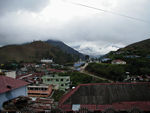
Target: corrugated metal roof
(107,93)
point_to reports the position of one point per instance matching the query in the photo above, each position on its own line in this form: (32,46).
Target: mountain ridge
(64,47)
(139,48)
(34,52)
(134,50)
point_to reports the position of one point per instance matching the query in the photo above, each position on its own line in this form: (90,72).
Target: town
(74,56)
(40,87)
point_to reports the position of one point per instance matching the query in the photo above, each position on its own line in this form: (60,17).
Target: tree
(87,57)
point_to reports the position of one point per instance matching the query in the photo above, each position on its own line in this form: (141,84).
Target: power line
(106,11)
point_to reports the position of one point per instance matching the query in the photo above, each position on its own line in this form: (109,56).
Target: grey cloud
(108,30)
(15,5)
(102,29)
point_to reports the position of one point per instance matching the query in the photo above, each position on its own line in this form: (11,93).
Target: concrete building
(39,90)
(63,82)
(11,88)
(11,74)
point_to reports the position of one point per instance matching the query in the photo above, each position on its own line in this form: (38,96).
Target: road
(82,70)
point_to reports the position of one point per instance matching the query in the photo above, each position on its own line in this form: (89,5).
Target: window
(37,94)
(43,94)
(36,88)
(57,80)
(30,88)
(45,89)
(62,84)
(62,79)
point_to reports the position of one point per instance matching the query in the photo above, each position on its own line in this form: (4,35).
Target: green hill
(139,48)
(34,52)
(137,57)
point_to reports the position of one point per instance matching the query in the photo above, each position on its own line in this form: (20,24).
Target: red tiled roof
(118,60)
(8,84)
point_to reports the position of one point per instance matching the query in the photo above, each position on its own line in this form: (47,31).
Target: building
(105,60)
(118,62)
(23,104)
(17,105)
(132,56)
(54,70)
(46,61)
(32,78)
(78,65)
(102,97)
(42,105)
(11,88)
(63,82)
(39,90)
(11,74)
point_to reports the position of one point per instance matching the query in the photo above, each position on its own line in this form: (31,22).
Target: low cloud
(87,30)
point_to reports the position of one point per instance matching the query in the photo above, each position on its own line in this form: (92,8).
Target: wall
(39,92)
(11,74)
(65,83)
(12,94)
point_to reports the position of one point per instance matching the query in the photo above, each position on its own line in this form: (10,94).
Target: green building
(60,82)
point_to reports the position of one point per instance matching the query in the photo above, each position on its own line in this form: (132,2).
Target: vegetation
(136,55)
(140,49)
(34,52)
(80,78)
(57,95)
(109,71)
(76,79)
(137,66)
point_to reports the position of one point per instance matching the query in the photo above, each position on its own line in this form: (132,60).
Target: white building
(11,88)
(47,61)
(11,74)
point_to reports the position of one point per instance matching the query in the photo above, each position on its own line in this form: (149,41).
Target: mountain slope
(139,48)
(34,51)
(65,48)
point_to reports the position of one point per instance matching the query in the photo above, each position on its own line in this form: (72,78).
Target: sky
(92,27)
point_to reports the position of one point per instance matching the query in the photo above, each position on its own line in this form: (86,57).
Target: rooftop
(118,60)
(8,84)
(107,93)
(55,76)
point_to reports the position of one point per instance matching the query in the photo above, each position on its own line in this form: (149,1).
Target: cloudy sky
(111,25)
